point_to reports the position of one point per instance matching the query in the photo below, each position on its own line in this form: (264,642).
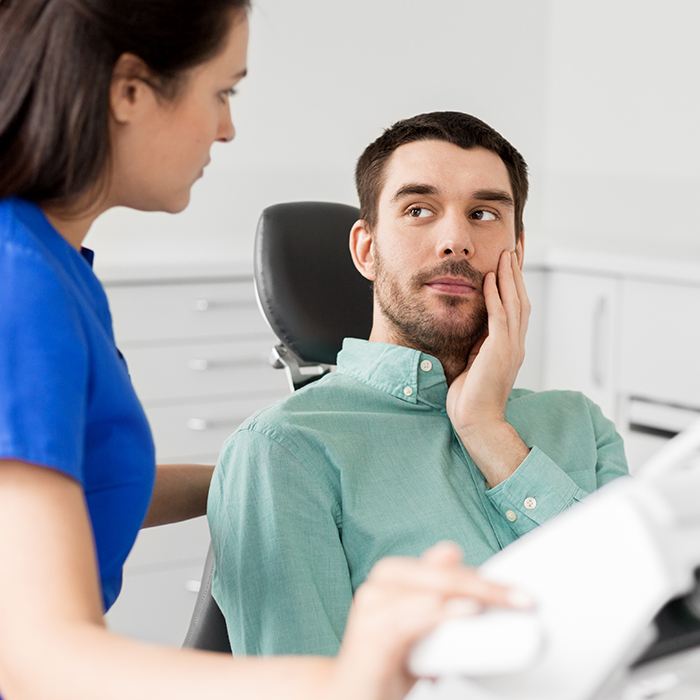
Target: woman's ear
(131,89)
(362,249)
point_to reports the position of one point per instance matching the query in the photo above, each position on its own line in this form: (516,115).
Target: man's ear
(130,90)
(362,249)
(520,248)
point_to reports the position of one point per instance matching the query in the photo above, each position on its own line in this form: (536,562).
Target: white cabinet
(626,333)
(580,337)
(197,351)
(660,341)
(530,375)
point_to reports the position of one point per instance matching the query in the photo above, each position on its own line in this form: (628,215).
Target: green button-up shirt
(364,463)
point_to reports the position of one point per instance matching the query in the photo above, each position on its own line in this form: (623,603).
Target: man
(419,435)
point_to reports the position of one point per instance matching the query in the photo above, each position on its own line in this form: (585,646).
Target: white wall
(601,97)
(623,126)
(326,77)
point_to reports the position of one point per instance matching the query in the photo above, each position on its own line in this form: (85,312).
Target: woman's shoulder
(31,264)
(21,235)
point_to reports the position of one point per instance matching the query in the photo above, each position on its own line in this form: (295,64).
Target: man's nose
(455,238)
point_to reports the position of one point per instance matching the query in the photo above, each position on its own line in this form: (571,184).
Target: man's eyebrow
(240,75)
(413,188)
(494,196)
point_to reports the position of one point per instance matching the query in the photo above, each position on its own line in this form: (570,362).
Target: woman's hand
(402,600)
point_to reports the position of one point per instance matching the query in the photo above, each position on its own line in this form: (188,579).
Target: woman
(106,103)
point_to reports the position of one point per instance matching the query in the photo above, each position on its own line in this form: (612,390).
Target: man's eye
(418,212)
(483,215)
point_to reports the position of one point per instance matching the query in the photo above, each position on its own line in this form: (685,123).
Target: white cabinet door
(156,606)
(582,317)
(660,342)
(530,375)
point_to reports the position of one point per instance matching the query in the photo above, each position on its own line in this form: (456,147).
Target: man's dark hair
(56,64)
(457,128)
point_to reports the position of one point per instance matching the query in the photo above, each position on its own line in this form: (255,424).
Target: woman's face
(160,147)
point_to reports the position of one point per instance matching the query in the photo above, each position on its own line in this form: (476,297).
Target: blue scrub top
(66,399)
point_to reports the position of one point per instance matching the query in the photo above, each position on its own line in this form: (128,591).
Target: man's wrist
(496,448)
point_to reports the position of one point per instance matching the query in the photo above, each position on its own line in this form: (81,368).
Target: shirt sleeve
(43,366)
(539,488)
(281,576)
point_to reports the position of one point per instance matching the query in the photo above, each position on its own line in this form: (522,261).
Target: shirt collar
(405,373)
(88,255)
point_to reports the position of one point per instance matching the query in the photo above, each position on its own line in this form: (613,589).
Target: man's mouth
(456,286)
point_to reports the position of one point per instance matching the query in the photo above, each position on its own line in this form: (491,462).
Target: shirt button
(426,365)
(511,516)
(408,391)
(530,503)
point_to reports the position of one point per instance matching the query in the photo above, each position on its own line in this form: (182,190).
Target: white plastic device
(491,642)
(599,573)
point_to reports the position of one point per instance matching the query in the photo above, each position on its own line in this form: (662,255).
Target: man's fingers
(497,315)
(524,299)
(509,293)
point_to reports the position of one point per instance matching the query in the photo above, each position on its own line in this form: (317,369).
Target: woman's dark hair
(460,129)
(56,63)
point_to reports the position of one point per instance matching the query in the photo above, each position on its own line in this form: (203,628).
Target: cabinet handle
(597,360)
(198,424)
(193,585)
(201,425)
(202,364)
(198,364)
(203,304)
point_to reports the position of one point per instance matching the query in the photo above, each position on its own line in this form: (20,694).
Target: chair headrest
(307,285)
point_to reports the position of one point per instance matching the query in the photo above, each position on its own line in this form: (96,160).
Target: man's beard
(416,326)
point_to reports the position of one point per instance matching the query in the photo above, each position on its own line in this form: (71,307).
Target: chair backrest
(207,627)
(312,297)
(308,288)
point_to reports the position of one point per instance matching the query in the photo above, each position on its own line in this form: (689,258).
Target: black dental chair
(312,297)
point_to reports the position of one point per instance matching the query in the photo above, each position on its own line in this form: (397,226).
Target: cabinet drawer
(175,311)
(661,342)
(205,370)
(176,544)
(199,428)
(157,606)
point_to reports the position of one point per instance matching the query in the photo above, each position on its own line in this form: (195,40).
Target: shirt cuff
(535,492)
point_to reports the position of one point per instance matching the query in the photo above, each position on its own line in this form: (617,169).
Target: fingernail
(463,607)
(520,599)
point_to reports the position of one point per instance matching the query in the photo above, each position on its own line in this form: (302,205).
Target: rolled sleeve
(536,491)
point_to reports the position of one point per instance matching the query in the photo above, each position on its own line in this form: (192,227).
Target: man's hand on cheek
(477,398)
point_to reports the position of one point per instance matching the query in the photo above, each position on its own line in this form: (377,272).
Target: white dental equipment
(599,572)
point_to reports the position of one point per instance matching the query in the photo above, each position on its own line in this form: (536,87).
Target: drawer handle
(201,425)
(199,364)
(193,585)
(202,364)
(599,319)
(202,304)
(198,424)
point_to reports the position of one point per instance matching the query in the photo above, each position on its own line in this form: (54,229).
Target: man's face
(444,216)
